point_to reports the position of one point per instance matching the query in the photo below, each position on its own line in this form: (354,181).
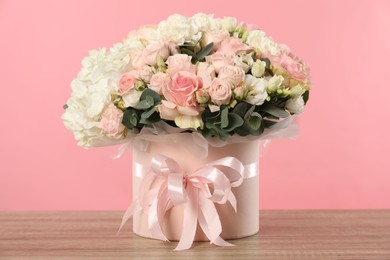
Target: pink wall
(339,161)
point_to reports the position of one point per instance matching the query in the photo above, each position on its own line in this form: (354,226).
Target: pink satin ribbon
(192,190)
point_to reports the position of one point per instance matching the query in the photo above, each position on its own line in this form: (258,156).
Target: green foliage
(65,106)
(197,54)
(305,96)
(144,113)
(270,109)
(220,123)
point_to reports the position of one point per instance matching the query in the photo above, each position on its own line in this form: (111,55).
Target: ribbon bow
(192,190)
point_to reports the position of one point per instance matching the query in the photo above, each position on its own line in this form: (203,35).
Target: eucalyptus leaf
(143,105)
(148,113)
(234,122)
(241,108)
(274,110)
(130,118)
(205,51)
(224,117)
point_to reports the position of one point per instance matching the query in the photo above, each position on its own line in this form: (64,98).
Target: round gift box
(244,222)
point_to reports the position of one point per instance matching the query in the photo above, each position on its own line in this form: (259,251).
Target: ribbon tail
(210,223)
(156,214)
(233,201)
(134,207)
(190,220)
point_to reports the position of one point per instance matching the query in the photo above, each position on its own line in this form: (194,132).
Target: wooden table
(283,235)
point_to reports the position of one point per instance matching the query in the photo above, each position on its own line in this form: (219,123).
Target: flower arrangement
(213,76)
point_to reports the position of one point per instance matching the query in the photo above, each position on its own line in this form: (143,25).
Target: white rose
(229,23)
(256,88)
(258,68)
(244,61)
(275,82)
(296,105)
(131,99)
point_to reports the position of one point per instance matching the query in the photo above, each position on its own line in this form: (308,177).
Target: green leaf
(305,96)
(130,118)
(187,52)
(143,105)
(254,124)
(269,123)
(254,121)
(205,51)
(152,118)
(155,96)
(241,108)
(65,106)
(274,110)
(224,117)
(234,122)
(148,113)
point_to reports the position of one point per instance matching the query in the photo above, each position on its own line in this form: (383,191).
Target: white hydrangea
(178,28)
(257,90)
(259,40)
(201,22)
(92,91)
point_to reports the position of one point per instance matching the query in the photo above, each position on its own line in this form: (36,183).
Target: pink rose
(136,59)
(111,121)
(157,81)
(181,88)
(295,67)
(220,91)
(219,60)
(155,50)
(180,62)
(206,72)
(127,81)
(233,73)
(215,36)
(234,46)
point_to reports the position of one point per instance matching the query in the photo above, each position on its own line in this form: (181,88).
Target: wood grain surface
(283,235)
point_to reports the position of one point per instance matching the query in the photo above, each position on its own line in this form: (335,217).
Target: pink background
(339,161)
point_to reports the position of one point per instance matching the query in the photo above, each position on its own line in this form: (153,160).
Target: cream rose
(127,82)
(220,91)
(214,36)
(234,46)
(206,72)
(155,50)
(180,62)
(219,60)
(233,73)
(157,81)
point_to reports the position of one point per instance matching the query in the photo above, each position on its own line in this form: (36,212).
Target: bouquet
(213,76)
(203,84)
